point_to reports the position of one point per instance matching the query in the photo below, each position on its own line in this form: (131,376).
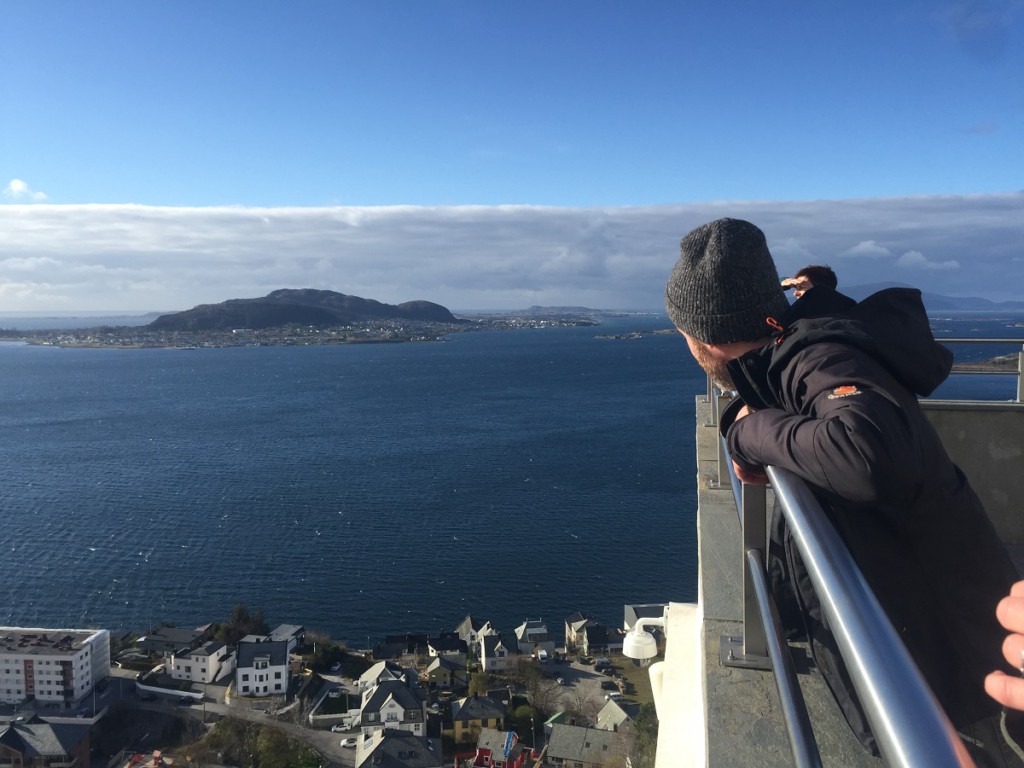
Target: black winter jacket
(834,401)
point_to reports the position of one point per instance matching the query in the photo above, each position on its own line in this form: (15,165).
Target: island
(300,317)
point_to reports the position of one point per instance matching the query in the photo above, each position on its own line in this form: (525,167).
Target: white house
(532,637)
(207,663)
(262,666)
(53,666)
(392,704)
(385,670)
(494,655)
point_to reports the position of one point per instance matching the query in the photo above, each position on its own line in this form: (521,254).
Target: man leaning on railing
(827,389)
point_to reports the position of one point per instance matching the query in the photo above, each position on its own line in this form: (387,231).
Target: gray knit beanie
(725,284)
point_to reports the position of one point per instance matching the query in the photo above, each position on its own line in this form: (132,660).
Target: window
(245,677)
(277,675)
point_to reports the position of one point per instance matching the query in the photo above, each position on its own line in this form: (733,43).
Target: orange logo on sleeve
(845,391)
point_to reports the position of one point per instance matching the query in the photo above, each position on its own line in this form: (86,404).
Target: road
(328,744)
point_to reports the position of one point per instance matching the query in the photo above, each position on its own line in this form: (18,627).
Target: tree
(242,623)
(521,719)
(272,748)
(644,744)
(479,682)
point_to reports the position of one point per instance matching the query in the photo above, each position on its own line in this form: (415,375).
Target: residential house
(445,672)
(633,613)
(574,630)
(52,666)
(501,749)
(401,647)
(293,634)
(391,748)
(262,666)
(532,637)
(616,639)
(575,746)
(614,716)
(594,639)
(494,654)
(474,713)
(167,640)
(392,704)
(205,664)
(447,644)
(385,670)
(34,743)
(469,631)
(597,638)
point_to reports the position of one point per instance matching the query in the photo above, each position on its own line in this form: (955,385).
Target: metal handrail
(1019,373)
(909,724)
(906,719)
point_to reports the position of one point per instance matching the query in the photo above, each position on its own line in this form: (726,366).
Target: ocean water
(362,490)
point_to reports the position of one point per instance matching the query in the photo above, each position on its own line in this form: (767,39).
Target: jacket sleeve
(842,426)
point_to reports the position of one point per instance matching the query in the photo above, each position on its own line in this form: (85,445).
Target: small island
(298,317)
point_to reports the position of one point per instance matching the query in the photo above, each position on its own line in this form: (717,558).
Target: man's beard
(714,367)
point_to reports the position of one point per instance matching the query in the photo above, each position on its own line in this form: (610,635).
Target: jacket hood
(891,326)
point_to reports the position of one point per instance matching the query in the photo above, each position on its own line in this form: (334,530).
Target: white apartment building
(54,666)
(262,666)
(205,664)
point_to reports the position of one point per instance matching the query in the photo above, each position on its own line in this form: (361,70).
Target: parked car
(338,728)
(349,742)
(612,696)
(608,685)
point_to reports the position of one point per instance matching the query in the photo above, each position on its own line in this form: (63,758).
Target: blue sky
(140,140)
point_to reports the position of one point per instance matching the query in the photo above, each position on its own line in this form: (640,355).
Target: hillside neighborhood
(240,693)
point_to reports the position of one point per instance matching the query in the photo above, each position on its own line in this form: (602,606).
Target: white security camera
(639,645)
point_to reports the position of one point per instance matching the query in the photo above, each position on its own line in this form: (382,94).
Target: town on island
(298,317)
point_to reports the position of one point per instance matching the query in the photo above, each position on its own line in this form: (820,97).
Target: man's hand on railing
(753,475)
(1006,689)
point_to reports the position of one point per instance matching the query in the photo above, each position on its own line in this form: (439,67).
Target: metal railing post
(721,399)
(749,650)
(1020,376)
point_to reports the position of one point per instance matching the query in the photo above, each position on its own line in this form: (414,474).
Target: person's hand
(800,285)
(755,476)
(1007,689)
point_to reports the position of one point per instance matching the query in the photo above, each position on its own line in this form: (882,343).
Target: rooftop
(56,642)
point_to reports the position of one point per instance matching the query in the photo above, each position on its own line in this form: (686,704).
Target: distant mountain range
(935,302)
(303,306)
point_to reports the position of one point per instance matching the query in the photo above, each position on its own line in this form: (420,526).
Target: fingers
(1013,646)
(1010,610)
(1007,690)
(750,475)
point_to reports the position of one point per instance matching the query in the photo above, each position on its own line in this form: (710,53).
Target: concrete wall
(986,440)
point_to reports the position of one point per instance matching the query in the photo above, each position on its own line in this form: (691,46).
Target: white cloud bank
(128,258)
